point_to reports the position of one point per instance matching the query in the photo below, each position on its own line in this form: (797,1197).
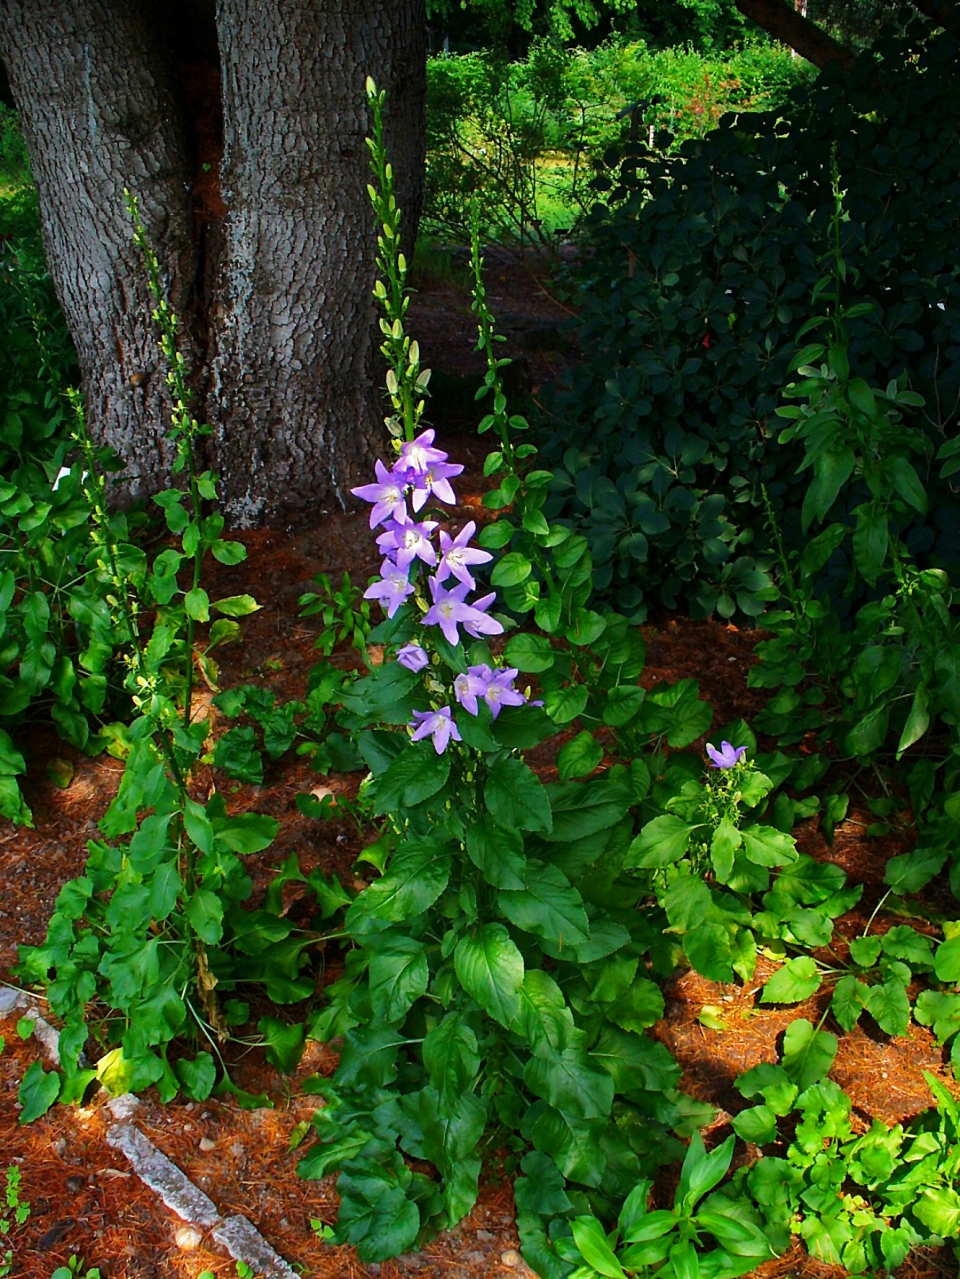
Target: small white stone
(511,1257)
(207,1144)
(188,1238)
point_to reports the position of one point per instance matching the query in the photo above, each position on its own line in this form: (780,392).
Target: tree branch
(784,23)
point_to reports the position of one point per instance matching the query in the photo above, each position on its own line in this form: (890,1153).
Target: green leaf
(543,1019)
(758,1124)
(701,1171)
(767,846)
(398,977)
(417,874)
(515,796)
(807,1053)
(531,654)
(795,981)
(284,1042)
(847,1002)
(939,1209)
(375,1215)
(204,910)
(918,721)
(197,604)
(490,968)
(197,1076)
(579,757)
(548,907)
(568,1081)
(246,833)
(228,552)
(236,605)
(415,775)
(38,1091)
(639,1007)
(865,951)
(889,1006)
(724,842)
(566,703)
(946,963)
(583,809)
(911,872)
(593,1247)
(635,1062)
(497,852)
(451,1056)
(660,842)
(511,570)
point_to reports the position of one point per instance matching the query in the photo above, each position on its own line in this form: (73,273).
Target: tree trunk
(270,256)
(795,30)
(99,111)
(294,396)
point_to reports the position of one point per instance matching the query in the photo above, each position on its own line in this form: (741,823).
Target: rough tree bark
(268,248)
(785,23)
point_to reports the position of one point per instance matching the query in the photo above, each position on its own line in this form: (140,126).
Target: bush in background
(698,276)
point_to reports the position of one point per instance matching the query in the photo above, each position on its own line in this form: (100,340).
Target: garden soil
(86,1202)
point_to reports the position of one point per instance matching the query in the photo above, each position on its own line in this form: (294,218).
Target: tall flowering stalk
(423,472)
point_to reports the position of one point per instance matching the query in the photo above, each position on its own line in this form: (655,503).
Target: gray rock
(244,1243)
(156,1171)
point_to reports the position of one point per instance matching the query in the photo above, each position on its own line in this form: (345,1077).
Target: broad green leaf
(197,604)
(515,797)
(848,1001)
(939,1209)
(414,776)
(579,757)
(197,1076)
(660,842)
(39,1089)
(398,977)
(531,654)
(376,1216)
(547,906)
(641,1006)
(710,951)
(570,1083)
(497,852)
(543,1018)
(758,1124)
(889,1006)
(417,874)
(236,605)
(511,570)
(635,1062)
(451,1056)
(767,846)
(911,872)
(807,1053)
(566,703)
(946,963)
(865,951)
(204,910)
(795,981)
(583,809)
(246,833)
(490,968)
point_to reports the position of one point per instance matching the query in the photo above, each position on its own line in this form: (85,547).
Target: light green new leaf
(939,1208)
(593,1247)
(795,981)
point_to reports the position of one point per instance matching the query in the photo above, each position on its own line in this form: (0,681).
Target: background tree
(241,128)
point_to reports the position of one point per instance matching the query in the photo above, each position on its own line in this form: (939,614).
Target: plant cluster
(701,270)
(497,979)
(523,138)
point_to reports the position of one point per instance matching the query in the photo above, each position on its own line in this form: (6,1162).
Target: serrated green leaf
(797,980)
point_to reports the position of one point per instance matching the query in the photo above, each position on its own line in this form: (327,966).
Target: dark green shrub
(699,273)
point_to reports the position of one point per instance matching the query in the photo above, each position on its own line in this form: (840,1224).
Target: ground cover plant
(502,972)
